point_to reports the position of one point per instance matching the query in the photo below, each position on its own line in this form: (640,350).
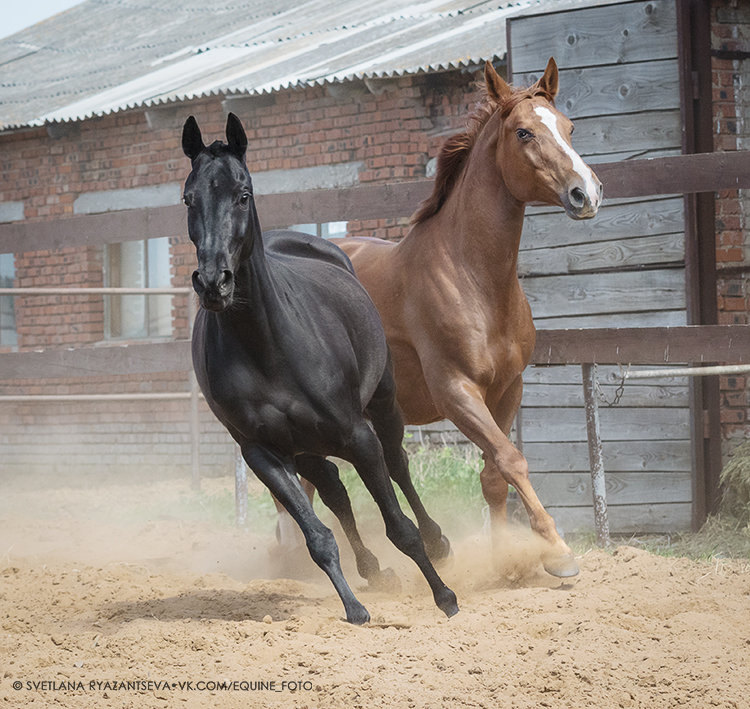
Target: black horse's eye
(245,199)
(524,135)
(187,200)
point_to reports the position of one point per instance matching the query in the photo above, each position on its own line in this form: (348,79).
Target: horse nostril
(198,285)
(577,197)
(225,280)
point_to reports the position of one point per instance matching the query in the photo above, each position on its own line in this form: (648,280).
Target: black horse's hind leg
(279,477)
(388,424)
(324,475)
(366,454)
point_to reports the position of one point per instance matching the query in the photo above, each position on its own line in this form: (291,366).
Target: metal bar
(95,291)
(240,488)
(686,371)
(151,396)
(596,459)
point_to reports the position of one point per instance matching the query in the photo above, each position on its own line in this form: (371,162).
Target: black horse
(291,356)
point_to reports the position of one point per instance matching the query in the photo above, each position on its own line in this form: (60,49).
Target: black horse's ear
(236,136)
(192,141)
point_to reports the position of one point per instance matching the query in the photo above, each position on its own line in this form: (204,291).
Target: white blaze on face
(550,121)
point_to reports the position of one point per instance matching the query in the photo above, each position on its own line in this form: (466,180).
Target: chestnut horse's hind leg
(324,475)
(389,426)
(366,454)
(463,402)
(280,478)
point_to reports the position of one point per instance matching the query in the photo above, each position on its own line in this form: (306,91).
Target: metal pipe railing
(96,291)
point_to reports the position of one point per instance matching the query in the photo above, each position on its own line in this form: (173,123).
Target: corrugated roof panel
(104,56)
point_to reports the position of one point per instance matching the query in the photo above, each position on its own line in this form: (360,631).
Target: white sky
(23,13)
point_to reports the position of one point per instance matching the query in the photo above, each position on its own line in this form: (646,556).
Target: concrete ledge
(11,211)
(136,198)
(327,177)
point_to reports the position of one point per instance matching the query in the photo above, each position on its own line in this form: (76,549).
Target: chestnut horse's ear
(497,88)
(192,141)
(236,136)
(549,83)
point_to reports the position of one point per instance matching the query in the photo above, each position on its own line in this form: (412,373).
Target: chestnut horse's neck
(480,223)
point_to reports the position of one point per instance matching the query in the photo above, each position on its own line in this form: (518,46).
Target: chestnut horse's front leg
(463,402)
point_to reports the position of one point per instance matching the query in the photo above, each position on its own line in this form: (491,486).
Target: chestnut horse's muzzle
(583,201)
(214,288)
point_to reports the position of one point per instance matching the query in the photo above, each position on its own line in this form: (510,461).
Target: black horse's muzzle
(214,289)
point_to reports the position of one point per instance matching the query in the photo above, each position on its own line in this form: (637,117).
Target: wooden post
(596,460)
(195,427)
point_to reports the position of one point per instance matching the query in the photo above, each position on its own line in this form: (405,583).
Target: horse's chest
(268,408)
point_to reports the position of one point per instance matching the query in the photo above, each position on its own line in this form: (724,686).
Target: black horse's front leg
(279,477)
(366,454)
(324,475)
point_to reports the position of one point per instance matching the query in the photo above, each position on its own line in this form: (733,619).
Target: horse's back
(296,244)
(323,291)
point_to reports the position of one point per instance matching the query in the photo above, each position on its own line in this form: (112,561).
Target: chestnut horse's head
(534,152)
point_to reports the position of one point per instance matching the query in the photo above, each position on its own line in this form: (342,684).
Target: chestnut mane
(456,149)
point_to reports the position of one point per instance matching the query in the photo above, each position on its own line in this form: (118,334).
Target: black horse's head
(222,221)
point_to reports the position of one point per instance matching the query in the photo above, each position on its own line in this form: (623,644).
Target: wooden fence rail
(679,174)
(696,344)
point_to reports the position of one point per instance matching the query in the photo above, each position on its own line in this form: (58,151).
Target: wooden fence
(661,345)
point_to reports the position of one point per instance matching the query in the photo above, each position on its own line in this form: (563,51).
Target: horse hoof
(448,603)
(440,550)
(563,566)
(386,581)
(357,616)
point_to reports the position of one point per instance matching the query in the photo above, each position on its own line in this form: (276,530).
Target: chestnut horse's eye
(524,135)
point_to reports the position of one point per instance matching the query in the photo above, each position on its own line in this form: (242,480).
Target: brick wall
(730,43)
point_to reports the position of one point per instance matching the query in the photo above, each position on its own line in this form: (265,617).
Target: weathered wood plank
(699,344)
(619,456)
(626,488)
(603,255)
(619,221)
(656,318)
(705,343)
(144,358)
(613,34)
(679,174)
(555,296)
(569,424)
(614,89)
(634,395)
(571,374)
(628,132)
(627,519)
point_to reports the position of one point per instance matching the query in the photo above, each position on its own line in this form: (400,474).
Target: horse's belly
(412,394)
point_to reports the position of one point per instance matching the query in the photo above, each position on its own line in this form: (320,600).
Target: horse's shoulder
(298,245)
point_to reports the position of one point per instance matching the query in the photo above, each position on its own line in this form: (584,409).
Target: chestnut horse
(456,318)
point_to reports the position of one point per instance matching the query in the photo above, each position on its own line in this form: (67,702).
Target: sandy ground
(101,610)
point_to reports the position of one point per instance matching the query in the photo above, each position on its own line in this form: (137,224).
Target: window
(8,334)
(328,230)
(138,264)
